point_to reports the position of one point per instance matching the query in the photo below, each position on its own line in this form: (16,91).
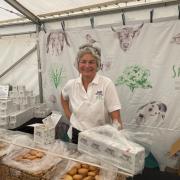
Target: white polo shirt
(90,109)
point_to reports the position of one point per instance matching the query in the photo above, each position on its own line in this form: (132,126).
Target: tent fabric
(26,72)
(50,9)
(143,65)
(43,7)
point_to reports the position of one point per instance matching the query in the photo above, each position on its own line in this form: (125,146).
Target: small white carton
(45,133)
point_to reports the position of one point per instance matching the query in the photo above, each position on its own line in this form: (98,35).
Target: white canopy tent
(22,22)
(31,16)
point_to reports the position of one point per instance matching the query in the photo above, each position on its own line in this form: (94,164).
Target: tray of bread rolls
(81,172)
(29,156)
(33,161)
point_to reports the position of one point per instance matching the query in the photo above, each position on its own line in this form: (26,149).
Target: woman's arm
(65,105)
(116,118)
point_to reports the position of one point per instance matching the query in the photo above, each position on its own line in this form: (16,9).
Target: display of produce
(19,107)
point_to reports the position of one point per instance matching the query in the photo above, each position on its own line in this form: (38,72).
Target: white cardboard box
(44,135)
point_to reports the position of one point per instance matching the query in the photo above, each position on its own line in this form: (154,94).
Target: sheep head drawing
(55,42)
(126,36)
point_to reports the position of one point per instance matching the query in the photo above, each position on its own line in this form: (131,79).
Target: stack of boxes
(19,107)
(6,108)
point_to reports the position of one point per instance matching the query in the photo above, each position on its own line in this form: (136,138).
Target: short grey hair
(88,48)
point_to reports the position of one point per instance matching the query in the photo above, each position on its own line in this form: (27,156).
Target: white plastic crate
(20,117)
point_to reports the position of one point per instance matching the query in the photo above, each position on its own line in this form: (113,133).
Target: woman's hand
(116,124)
(116,120)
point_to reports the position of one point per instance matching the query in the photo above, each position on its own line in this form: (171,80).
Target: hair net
(88,48)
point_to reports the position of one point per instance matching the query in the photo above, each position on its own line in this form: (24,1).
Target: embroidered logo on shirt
(99,95)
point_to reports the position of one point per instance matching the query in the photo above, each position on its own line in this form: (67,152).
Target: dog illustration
(126,36)
(153,109)
(55,42)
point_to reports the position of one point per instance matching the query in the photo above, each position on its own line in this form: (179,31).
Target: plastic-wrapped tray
(107,144)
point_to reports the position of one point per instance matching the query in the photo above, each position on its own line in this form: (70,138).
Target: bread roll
(67,177)
(39,154)
(72,172)
(77,177)
(32,157)
(91,173)
(78,166)
(83,171)
(88,178)
(33,152)
(26,156)
(85,166)
(97,177)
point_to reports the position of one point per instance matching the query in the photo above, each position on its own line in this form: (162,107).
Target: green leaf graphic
(56,75)
(135,77)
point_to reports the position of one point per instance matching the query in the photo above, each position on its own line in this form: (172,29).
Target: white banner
(142,60)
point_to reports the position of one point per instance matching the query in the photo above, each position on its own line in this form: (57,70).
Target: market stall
(139,42)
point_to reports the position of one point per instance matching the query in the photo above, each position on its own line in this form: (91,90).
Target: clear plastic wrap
(85,170)
(112,146)
(8,138)
(142,138)
(36,160)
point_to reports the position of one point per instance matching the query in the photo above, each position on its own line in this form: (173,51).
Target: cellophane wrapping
(37,159)
(86,168)
(112,146)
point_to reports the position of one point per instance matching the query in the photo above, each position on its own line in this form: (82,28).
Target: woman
(90,100)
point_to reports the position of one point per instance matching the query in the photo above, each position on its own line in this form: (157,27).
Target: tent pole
(18,61)
(16,34)
(118,9)
(39,65)
(27,13)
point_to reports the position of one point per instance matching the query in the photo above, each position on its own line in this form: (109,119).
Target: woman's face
(87,66)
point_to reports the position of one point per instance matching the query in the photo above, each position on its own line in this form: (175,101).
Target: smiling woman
(90,100)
